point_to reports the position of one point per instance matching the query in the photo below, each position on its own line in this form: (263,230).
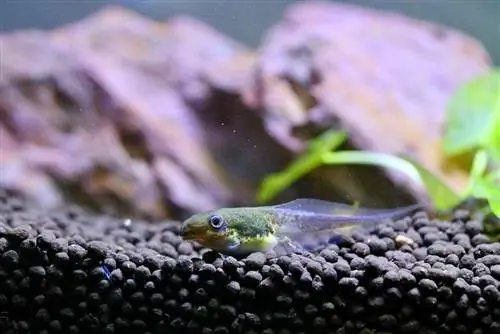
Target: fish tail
(317,223)
(367,220)
(398,213)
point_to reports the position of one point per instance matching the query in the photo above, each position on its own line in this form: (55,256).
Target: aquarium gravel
(71,272)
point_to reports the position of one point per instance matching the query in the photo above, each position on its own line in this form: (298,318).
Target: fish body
(245,230)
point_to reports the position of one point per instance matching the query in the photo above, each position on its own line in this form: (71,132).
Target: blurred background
(168,117)
(247,20)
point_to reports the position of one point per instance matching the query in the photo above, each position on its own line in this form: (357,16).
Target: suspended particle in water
(127,222)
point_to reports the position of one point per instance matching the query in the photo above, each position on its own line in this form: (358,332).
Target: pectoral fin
(346,228)
(286,247)
(233,243)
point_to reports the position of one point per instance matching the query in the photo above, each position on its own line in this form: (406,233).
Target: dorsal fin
(319,206)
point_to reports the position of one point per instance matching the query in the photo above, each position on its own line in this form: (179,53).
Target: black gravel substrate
(68,272)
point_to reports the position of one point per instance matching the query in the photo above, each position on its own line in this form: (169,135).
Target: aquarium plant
(471,135)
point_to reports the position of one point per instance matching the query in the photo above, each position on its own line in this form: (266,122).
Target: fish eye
(216,221)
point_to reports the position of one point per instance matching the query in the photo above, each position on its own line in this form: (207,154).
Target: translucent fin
(233,244)
(317,206)
(286,247)
(346,228)
(313,240)
(306,243)
(310,205)
(311,216)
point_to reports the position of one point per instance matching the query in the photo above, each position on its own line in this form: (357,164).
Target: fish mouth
(189,233)
(186,233)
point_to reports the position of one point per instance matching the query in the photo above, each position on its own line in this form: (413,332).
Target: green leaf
(442,196)
(479,165)
(478,170)
(494,176)
(372,158)
(473,119)
(488,189)
(494,147)
(311,159)
(495,207)
(483,185)
(482,188)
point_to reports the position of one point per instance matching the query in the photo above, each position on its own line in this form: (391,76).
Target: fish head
(212,229)
(230,230)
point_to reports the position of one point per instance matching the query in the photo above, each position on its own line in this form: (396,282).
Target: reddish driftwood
(384,77)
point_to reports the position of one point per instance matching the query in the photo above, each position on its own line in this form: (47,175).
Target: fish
(245,230)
